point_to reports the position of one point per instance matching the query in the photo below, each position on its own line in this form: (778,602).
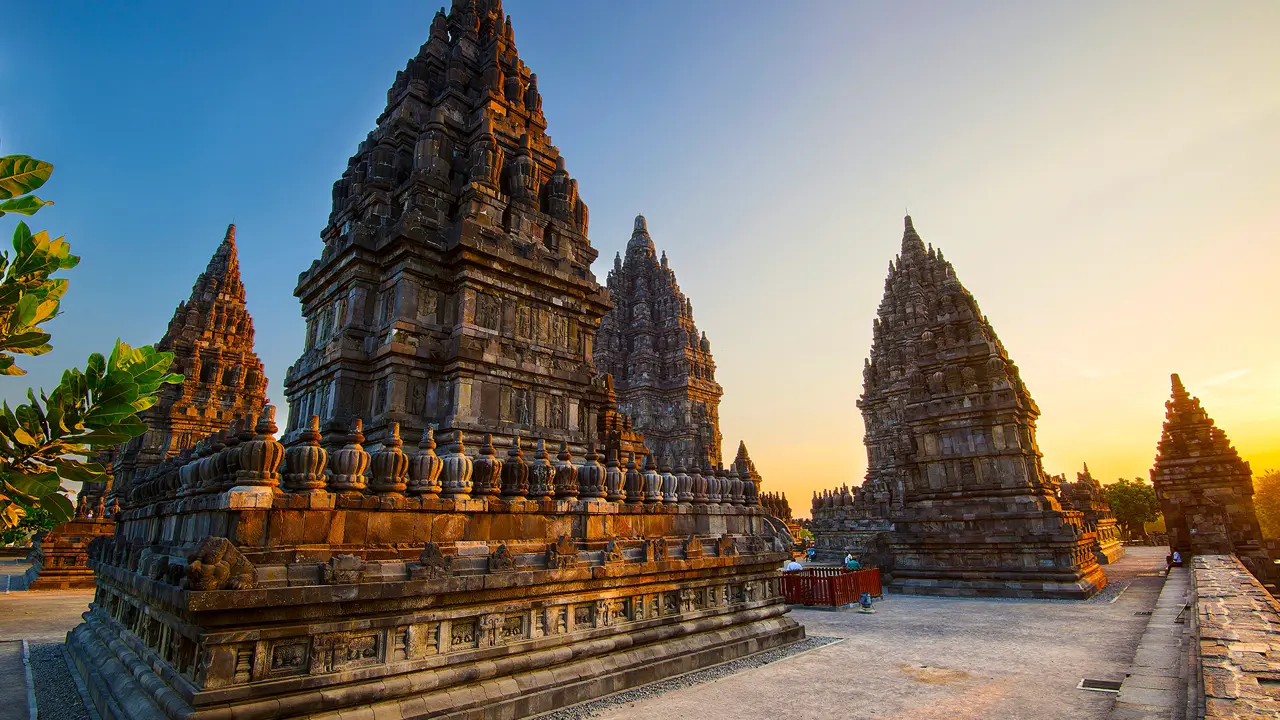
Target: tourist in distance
(792,565)
(851,563)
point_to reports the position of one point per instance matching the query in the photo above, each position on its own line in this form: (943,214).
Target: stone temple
(954,483)
(1087,496)
(211,337)
(1204,487)
(470,574)
(661,366)
(455,285)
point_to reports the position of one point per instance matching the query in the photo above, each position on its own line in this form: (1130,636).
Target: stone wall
(1237,622)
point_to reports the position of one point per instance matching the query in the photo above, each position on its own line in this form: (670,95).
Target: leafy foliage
(1266,502)
(34,520)
(28,295)
(51,438)
(1134,504)
(19,175)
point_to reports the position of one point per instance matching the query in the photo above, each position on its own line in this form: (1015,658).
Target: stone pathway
(1157,682)
(923,658)
(13,682)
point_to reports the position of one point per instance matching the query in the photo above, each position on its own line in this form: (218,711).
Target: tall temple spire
(660,361)
(1204,487)
(912,245)
(455,226)
(950,429)
(211,337)
(640,241)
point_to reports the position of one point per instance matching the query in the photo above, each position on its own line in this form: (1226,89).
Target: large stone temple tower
(951,446)
(455,284)
(661,366)
(211,337)
(1205,488)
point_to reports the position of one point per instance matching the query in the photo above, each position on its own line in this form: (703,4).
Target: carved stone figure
(432,563)
(216,564)
(501,559)
(561,554)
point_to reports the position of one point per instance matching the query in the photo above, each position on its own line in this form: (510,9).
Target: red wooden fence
(829,586)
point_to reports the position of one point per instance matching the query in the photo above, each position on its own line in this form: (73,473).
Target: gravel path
(56,694)
(595,707)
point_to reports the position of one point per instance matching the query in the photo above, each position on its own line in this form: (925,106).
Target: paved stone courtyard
(916,658)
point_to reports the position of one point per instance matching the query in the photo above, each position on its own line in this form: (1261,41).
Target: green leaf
(58,506)
(33,485)
(20,174)
(26,340)
(8,368)
(10,513)
(27,205)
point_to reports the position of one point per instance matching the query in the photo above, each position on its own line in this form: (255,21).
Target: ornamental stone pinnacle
(660,362)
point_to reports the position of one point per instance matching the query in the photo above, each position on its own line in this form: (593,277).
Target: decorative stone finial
(456,484)
(566,477)
(260,456)
(591,474)
(426,466)
(515,473)
(542,474)
(486,476)
(305,459)
(347,466)
(614,478)
(640,225)
(390,465)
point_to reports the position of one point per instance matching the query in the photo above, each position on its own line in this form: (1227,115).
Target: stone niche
(224,596)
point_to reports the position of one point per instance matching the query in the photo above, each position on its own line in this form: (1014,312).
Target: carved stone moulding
(267,652)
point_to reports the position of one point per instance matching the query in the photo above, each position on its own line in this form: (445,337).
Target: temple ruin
(1087,496)
(954,484)
(661,366)
(211,337)
(459,523)
(1204,487)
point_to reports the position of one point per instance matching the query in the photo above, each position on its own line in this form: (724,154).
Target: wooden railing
(829,586)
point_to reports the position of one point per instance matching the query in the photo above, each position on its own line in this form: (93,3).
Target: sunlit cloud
(1223,378)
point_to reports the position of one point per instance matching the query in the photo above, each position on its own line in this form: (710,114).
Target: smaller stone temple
(211,337)
(847,521)
(59,558)
(1204,487)
(661,364)
(1087,496)
(954,484)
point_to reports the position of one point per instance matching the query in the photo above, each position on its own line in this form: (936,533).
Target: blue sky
(1103,176)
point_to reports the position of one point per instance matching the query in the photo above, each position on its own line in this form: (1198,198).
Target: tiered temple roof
(455,284)
(661,364)
(1205,488)
(950,433)
(211,337)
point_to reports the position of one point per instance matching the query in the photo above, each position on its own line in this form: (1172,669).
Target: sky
(1103,176)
